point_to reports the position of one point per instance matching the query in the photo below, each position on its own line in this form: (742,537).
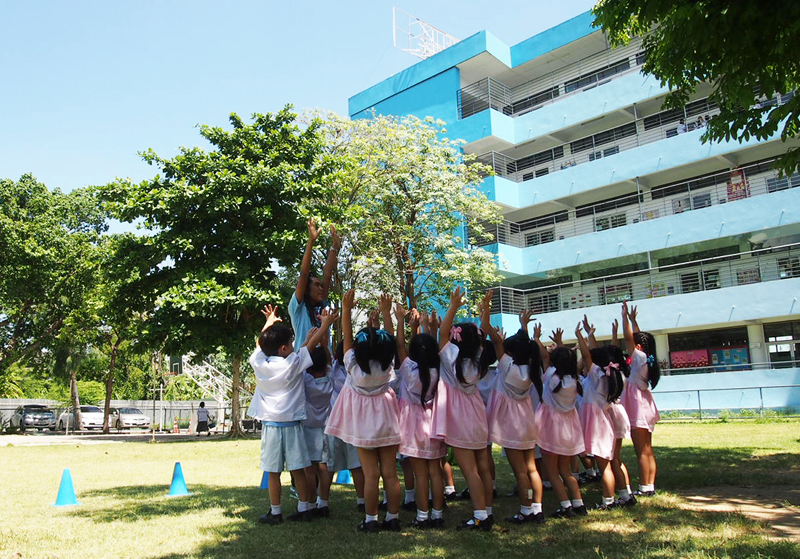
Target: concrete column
(662,347)
(757,343)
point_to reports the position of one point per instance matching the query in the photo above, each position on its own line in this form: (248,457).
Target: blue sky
(88,84)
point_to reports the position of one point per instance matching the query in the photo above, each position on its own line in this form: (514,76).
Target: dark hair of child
(424,351)
(468,348)
(311,307)
(565,361)
(338,352)
(319,359)
(524,351)
(271,339)
(648,343)
(603,357)
(371,344)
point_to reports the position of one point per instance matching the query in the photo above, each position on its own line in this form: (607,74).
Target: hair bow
(628,360)
(455,333)
(610,366)
(362,337)
(651,360)
(383,336)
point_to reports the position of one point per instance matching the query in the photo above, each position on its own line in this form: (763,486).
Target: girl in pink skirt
(365,415)
(622,429)
(638,400)
(459,415)
(510,412)
(560,434)
(419,377)
(603,385)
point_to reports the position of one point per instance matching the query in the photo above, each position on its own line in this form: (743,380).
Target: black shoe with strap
(369,527)
(271,519)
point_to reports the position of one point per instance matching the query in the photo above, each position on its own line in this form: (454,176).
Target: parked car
(33,416)
(91,418)
(125,418)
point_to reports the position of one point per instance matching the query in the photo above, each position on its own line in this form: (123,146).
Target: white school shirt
(447,369)
(338,376)
(318,399)
(595,387)
(512,380)
(375,382)
(639,371)
(411,385)
(564,400)
(280,393)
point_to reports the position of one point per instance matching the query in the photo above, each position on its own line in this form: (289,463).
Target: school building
(608,197)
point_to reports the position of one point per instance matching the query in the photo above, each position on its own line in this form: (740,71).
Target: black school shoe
(475,524)
(451,496)
(411,505)
(436,523)
(520,518)
(421,524)
(322,512)
(629,502)
(304,516)
(271,519)
(644,493)
(392,525)
(580,511)
(369,527)
(361,507)
(563,513)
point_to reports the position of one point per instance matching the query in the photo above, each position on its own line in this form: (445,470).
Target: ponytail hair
(523,351)
(372,344)
(488,356)
(338,352)
(468,338)
(648,343)
(611,360)
(424,351)
(565,361)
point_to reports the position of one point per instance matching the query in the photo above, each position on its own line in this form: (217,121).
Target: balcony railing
(585,74)
(730,270)
(659,202)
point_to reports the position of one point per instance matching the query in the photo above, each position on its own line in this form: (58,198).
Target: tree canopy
(749,52)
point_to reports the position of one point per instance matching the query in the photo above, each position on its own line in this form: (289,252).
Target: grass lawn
(125,511)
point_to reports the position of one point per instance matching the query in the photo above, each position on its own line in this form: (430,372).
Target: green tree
(217,223)
(406,196)
(749,52)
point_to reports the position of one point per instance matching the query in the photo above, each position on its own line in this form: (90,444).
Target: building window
(690,282)
(788,267)
(543,303)
(783,344)
(612,294)
(711,279)
(710,350)
(610,222)
(539,238)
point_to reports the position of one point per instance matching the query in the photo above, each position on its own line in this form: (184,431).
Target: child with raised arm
(279,402)
(638,400)
(318,389)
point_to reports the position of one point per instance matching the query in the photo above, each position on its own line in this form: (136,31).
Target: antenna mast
(418,37)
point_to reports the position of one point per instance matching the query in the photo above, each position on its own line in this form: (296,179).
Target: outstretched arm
(271,315)
(557,337)
(305,267)
(317,335)
(386,312)
(627,331)
(589,329)
(537,337)
(347,322)
(485,307)
(586,353)
(400,337)
(456,301)
(330,263)
(632,315)
(614,329)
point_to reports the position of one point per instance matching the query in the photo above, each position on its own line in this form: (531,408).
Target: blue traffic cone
(344,477)
(265,481)
(66,493)
(178,487)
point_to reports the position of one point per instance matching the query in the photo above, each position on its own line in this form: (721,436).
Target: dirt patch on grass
(778,506)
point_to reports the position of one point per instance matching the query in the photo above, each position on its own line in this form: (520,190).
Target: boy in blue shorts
(279,402)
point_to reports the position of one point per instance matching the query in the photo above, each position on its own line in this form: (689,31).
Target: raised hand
(614,328)
(556,336)
(399,312)
(586,326)
(372,320)
(311,334)
(328,317)
(385,303)
(525,317)
(537,331)
(349,299)
(578,333)
(336,239)
(414,319)
(434,321)
(457,299)
(271,315)
(313,230)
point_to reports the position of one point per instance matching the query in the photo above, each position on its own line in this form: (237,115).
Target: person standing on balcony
(681,127)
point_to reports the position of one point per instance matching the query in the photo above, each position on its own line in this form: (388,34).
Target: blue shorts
(341,455)
(315,442)
(283,448)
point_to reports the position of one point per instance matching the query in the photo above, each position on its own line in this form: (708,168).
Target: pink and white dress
(619,417)
(459,415)
(557,419)
(598,428)
(415,418)
(365,413)
(510,411)
(637,398)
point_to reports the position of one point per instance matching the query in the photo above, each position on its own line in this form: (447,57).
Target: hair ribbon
(610,366)
(455,333)
(628,361)
(361,337)
(383,335)
(651,360)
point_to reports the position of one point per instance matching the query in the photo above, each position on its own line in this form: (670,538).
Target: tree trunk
(76,403)
(110,386)
(236,425)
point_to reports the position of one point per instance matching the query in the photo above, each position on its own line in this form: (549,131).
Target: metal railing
(585,74)
(695,395)
(730,270)
(662,201)
(724,368)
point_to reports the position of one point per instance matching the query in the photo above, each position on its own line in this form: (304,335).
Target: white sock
(436,514)
(577,503)
(480,514)
(390,516)
(650,487)
(566,504)
(525,511)
(359,500)
(536,507)
(321,503)
(302,506)
(275,509)
(372,518)
(409,495)
(422,515)
(608,500)
(625,494)
(488,511)
(449,490)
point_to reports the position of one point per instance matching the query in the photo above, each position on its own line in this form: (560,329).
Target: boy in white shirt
(279,402)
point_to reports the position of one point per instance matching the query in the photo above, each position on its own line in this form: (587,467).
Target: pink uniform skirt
(641,407)
(459,419)
(559,432)
(415,431)
(365,421)
(512,423)
(619,417)
(598,430)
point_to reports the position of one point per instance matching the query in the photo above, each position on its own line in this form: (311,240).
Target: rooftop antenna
(418,37)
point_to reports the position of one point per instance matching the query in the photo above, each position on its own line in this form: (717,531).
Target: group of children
(381,396)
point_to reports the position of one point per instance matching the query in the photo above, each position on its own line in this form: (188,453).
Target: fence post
(699,407)
(761,396)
